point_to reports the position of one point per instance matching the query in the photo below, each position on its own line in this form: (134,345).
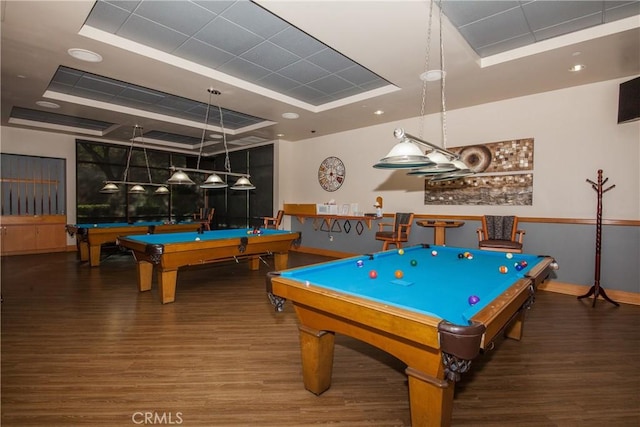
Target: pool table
(433,307)
(90,237)
(169,252)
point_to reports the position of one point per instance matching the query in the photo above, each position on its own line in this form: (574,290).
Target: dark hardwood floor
(81,346)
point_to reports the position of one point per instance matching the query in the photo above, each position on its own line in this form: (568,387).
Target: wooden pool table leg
(430,399)
(316,348)
(167,285)
(514,329)
(281,260)
(83,250)
(254,263)
(94,255)
(145,271)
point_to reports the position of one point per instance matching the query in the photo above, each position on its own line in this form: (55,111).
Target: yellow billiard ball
(400,251)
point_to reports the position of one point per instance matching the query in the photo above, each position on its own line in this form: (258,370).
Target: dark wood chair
(500,233)
(273,221)
(204,216)
(399,232)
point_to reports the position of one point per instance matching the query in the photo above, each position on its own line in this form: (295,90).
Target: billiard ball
(360,263)
(460,255)
(509,255)
(473,300)
(399,274)
(249,232)
(373,274)
(470,256)
(414,262)
(503,269)
(519,267)
(197,239)
(400,251)
(523,264)
(466,254)
(434,253)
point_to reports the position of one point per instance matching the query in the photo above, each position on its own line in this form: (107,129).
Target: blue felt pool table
(169,252)
(90,237)
(433,307)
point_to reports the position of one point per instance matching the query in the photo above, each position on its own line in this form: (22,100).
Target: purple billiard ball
(360,263)
(473,300)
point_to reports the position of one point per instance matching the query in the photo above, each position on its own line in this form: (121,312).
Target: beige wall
(575,133)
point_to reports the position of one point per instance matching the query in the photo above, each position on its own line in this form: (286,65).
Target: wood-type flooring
(82,347)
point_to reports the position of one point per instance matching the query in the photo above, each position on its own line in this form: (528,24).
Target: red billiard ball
(523,264)
(373,274)
(399,274)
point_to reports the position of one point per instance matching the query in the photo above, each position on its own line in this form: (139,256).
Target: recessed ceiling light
(378,112)
(85,55)
(577,67)
(290,115)
(432,75)
(280,135)
(215,136)
(47,104)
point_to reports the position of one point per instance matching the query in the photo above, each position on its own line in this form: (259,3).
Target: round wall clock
(331,173)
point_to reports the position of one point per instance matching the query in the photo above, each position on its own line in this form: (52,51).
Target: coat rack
(596,289)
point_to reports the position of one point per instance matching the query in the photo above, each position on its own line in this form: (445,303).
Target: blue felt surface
(205,236)
(438,285)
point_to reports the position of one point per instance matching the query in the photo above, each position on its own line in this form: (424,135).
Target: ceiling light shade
(109,188)
(85,55)
(136,189)
(213,181)
(180,177)
(404,155)
(161,191)
(243,183)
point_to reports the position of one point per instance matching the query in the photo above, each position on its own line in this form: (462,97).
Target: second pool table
(91,237)
(169,252)
(432,307)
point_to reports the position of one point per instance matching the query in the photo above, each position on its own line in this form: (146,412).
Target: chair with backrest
(500,233)
(273,221)
(399,232)
(204,217)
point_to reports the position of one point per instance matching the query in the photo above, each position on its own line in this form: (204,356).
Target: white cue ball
(197,239)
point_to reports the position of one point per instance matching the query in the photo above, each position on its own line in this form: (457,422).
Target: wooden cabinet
(32,234)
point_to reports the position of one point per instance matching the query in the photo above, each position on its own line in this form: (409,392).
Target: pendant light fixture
(110,187)
(407,154)
(213,181)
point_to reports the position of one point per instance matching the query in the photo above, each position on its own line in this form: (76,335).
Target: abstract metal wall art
(504,176)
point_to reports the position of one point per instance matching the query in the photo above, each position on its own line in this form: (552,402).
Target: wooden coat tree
(596,289)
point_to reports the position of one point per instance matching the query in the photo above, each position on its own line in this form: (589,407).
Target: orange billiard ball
(503,269)
(399,274)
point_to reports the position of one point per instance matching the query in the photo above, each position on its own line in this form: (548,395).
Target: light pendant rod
(134,183)
(400,134)
(208,172)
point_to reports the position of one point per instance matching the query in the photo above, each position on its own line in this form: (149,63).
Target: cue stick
(49,185)
(33,172)
(57,175)
(42,188)
(18,181)
(10,189)
(26,187)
